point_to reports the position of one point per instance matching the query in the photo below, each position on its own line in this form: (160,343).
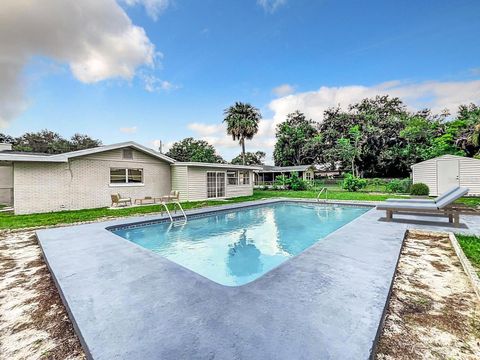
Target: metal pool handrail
(180,207)
(324,189)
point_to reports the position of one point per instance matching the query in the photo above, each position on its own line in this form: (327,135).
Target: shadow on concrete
(425,223)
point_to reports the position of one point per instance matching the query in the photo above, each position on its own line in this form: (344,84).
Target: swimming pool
(236,247)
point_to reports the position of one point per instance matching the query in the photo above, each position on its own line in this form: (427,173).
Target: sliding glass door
(215,184)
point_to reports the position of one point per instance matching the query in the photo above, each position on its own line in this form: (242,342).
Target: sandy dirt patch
(33,321)
(433,311)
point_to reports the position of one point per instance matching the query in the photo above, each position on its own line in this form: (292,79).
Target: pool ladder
(323,190)
(176,203)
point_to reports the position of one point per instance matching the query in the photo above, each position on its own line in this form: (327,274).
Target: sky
(163,70)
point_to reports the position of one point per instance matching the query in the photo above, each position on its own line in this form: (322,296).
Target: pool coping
(51,239)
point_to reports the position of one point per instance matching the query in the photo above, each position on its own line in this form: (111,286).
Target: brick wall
(84,183)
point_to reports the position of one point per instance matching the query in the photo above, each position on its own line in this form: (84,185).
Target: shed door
(447,174)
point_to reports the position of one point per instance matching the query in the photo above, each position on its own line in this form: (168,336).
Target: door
(215,184)
(447,175)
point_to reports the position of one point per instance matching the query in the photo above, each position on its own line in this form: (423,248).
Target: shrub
(293,182)
(399,186)
(420,189)
(353,183)
(296,183)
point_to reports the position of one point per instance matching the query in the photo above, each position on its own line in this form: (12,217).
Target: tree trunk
(242,142)
(353,166)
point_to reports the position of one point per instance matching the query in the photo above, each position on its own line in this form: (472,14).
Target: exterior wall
(191,181)
(426,172)
(180,181)
(470,175)
(197,182)
(84,182)
(6,183)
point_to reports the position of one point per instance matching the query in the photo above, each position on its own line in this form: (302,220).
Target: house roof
(36,157)
(269,168)
(217,165)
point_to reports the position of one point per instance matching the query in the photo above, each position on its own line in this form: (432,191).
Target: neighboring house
(6,178)
(87,178)
(443,172)
(268,173)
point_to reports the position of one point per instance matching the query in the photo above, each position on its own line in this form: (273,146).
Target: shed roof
(445,157)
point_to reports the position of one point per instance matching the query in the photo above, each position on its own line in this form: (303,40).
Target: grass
(471,247)
(11,221)
(470,201)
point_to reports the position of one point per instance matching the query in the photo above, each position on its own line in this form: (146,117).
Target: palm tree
(242,123)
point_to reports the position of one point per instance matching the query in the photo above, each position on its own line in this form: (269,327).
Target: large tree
(49,142)
(297,141)
(251,158)
(468,127)
(242,123)
(190,149)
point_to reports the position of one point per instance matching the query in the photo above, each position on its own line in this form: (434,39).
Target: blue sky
(279,55)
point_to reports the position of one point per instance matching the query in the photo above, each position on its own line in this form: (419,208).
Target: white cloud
(153,7)
(271,5)
(128,130)
(95,38)
(432,94)
(283,90)
(154,84)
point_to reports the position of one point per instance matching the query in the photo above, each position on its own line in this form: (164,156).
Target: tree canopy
(297,141)
(377,137)
(251,158)
(190,149)
(49,142)
(242,123)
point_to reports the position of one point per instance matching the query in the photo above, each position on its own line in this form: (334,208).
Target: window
(126,176)
(244,178)
(135,175)
(232,178)
(308,176)
(127,154)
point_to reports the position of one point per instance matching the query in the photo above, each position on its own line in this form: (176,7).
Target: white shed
(445,171)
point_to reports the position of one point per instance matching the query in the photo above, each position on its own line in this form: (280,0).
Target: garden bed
(433,312)
(34,323)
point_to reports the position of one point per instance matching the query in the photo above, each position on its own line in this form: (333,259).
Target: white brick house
(87,178)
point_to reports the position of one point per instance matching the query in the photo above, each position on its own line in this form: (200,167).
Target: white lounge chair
(426,201)
(438,207)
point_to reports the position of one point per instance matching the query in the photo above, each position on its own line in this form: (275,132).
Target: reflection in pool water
(236,247)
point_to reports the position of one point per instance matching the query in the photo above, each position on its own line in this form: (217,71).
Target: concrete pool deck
(127,302)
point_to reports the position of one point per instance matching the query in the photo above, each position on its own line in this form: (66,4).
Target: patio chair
(426,201)
(118,200)
(442,207)
(174,196)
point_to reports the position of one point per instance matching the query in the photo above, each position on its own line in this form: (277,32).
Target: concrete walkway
(127,302)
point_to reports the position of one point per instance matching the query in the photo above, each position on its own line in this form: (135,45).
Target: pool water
(236,247)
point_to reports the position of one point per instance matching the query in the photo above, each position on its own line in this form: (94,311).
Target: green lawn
(471,247)
(10,221)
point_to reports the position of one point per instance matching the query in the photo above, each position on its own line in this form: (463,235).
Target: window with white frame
(244,178)
(232,178)
(126,176)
